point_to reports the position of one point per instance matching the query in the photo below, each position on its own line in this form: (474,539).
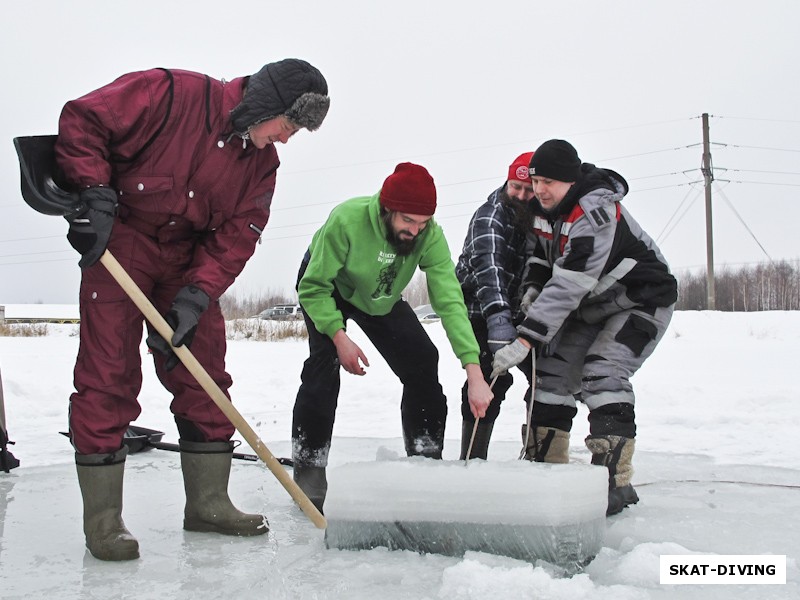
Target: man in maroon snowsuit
(177,172)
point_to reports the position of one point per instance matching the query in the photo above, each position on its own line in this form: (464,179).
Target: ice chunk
(520,509)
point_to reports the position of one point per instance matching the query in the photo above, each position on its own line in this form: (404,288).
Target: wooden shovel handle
(213,390)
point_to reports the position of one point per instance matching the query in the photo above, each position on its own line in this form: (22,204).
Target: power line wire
(646,153)
(760,182)
(36,262)
(755,119)
(664,187)
(739,146)
(665,234)
(31,253)
(758,171)
(46,237)
(742,221)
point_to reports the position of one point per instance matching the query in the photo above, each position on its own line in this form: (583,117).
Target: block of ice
(520,509)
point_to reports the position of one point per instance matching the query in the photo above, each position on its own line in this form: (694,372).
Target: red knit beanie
(410,189)
(519,168)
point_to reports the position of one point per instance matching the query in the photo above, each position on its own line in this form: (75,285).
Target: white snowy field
(716,471)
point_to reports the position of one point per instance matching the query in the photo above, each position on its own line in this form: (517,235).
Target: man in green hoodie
(357,267)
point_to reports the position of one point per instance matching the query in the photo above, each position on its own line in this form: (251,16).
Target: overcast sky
(459,87)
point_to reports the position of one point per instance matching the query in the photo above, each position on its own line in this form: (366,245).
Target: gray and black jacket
(492,260)
(602,261)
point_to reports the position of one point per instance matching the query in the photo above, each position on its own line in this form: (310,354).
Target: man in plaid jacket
(490,270)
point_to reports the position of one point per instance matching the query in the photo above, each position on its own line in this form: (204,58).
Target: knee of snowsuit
(613,419)
(553,416)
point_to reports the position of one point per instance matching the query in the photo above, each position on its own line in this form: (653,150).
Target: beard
(523,212)
(404,247)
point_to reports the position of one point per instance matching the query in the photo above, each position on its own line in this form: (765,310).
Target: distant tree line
(768,286)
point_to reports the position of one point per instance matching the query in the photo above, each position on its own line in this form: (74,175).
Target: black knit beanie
(556,159)
(289,87)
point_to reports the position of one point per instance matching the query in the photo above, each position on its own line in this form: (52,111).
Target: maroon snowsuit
(193,201)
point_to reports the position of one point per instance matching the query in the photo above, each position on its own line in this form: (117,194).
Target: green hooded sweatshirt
(351,253)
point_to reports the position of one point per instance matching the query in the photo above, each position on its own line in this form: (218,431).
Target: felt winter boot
(100,480)
(616,453)
(206,471)
(480,446)
(313,481)
(546,444)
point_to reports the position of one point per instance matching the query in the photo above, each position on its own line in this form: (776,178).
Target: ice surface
(712,479)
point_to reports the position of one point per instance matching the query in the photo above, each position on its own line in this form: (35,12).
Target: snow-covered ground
(716,471)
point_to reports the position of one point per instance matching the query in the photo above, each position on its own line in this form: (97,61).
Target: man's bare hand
(349,354)
(478,392)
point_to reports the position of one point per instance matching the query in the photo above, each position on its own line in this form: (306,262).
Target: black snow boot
(421,442)
(313,481)
(480,446)
(616,453)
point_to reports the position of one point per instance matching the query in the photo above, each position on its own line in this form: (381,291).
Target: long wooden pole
(213,390)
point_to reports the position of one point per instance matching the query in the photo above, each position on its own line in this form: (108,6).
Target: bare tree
(772,286)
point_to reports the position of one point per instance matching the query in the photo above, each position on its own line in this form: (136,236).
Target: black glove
(184,314)
(90,230)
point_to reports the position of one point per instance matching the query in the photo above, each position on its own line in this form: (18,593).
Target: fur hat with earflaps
(290,87)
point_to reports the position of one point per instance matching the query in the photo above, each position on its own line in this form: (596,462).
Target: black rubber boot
(616,453)
(480,446)
(313,481)
(100,479)
(206,471)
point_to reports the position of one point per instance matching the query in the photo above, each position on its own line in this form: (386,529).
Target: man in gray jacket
(600,314)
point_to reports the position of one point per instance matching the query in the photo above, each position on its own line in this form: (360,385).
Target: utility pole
(708,176)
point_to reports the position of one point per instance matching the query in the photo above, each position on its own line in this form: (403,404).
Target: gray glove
(501,330)
(509,356)
(528,298)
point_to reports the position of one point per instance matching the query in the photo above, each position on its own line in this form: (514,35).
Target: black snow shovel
(41,191)
(141,439)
